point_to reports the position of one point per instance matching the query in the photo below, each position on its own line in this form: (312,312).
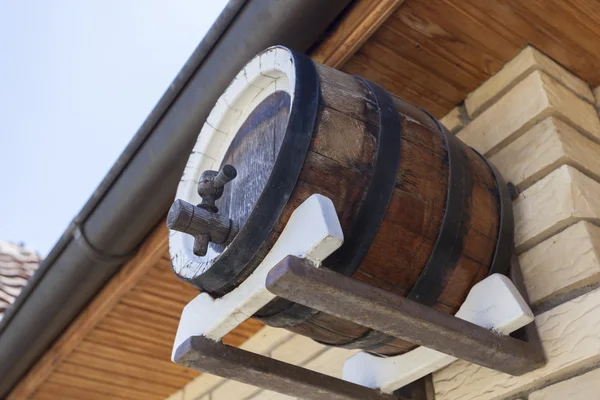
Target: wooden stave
(377,342)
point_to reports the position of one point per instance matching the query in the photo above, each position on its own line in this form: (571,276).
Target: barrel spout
(202,224)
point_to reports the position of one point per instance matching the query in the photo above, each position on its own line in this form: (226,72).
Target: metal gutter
(139,188)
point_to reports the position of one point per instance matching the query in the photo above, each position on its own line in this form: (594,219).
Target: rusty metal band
(232,264)
(358,240)
(506,229)
(449,243)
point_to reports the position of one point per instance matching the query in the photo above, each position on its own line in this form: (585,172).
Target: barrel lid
(251,124)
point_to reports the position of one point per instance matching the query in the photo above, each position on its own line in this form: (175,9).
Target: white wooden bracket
(494,303)
(313,232)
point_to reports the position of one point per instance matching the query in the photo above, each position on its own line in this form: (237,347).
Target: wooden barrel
(420,211)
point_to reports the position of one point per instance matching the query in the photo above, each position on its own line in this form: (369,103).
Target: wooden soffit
(435,52)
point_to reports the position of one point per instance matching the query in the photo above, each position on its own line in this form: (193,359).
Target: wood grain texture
(535,98)
(571,340)
(151,252)
(560,199)
(543,148)
(340,165)
(120,346)
(356,25)
(565,262)
(435,53)
(253,152)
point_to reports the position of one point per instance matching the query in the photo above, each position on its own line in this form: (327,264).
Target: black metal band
(357,242)
(231,265)
(506,229)
(449,244)
(369,341)
(381,188)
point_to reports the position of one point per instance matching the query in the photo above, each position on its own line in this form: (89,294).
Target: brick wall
(538,124)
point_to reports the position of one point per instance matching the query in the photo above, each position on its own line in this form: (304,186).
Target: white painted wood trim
(494,303)
(269,71)
(312,232)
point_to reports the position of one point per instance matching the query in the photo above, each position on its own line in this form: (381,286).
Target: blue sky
(77,78)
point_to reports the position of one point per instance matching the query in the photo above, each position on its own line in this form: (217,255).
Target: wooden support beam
(324,290)
(359,22)
(243,366)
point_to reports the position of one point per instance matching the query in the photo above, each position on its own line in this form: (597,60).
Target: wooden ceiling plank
(153,321)
(121,326)
(110,391)
(354,66)
(54,391)
(440,90)
(164,264)
(46,395)
(167,289)
(166,280)
(118,380)
(567,21)
(465,28)
(138,372)
(393,37)
(442,40)
(152,250)
(128,358)
(129,343)
(149,335)
(514,18)
(153,303)
(395,84)
(474,8)
(355,27)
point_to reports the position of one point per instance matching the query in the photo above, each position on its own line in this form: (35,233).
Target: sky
(77,79)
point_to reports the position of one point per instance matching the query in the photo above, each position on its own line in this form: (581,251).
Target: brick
(514,71)
(597,97)
(544,148)
(331,361)
(565,262)
(570,334)
(201,385)
(233,390)
(298,350)
(583,387)
(176,396)
(455,119)
(561,199)
(535,98)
